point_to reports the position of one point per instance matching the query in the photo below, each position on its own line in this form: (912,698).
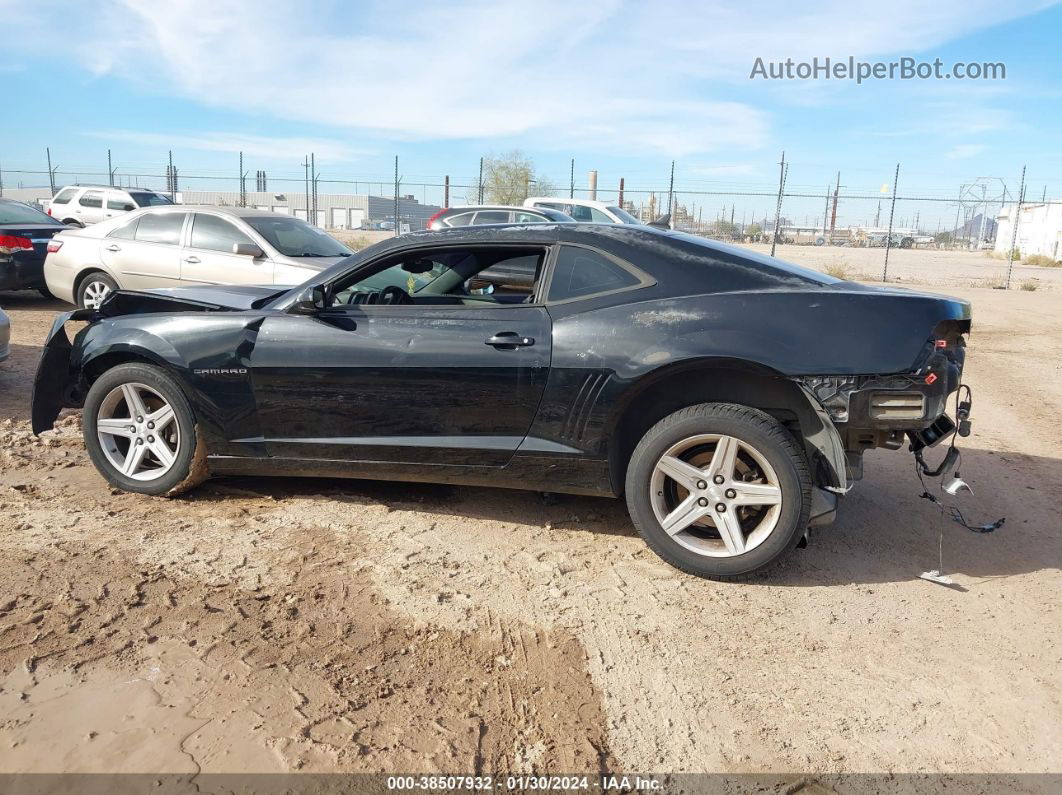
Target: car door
(89,207)
(146,253)
(208,258)
(452,384)
(116,204)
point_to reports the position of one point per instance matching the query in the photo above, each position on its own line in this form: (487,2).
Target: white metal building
(1039,229)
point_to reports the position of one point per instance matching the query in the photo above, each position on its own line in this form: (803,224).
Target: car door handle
(192,260)
(509,340)
(114,247)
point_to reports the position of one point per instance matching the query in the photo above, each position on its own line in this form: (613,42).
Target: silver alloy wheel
(94,293)
(716,495)
(138,432)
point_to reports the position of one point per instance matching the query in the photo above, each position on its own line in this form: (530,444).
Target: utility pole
(243,183)
(833,215)
(397,226)
(173,178)
(1014,228)
(480,179)
(446,191)
(783,169)
(892,212)
(306,183)
(571,181)
(671,196)
(313,185)
(825,214)
(621,194)
(110,171)
(51,172)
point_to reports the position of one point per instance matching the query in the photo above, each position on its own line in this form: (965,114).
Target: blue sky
(622,87)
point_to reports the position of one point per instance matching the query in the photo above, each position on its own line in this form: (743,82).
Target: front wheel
(140,432)
(94,289)
(719,490)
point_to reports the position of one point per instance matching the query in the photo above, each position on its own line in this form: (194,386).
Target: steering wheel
(394,295)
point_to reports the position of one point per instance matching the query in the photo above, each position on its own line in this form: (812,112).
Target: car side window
(527,218)
(119,202)
(215,234)
(463,219)
(125,231)
(599,217)
(580,213)
(581,272)
(64,196)
(160,228)
(492,217)
(91,198)
(477,276)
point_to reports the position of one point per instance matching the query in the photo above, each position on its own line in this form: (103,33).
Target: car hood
(188,299)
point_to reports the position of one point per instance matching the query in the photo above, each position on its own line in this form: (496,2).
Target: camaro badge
(221,371)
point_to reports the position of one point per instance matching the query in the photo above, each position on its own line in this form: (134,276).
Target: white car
(81,205)
(179,245)
(584,209)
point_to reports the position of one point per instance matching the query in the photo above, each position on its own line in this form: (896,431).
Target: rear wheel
(94,288)
(719,490)
(140,432)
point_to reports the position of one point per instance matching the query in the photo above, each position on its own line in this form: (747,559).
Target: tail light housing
(431,220)
(9,244)
(54,245)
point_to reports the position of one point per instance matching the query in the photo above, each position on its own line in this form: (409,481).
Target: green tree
(753,230)
(510,178)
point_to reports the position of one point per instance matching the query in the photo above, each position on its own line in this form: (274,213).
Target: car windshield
(146,199)
(16,213)
(623,215)
(293,237)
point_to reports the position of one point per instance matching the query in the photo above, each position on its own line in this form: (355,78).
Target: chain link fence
(961,236)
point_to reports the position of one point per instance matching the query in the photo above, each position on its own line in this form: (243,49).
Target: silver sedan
(181,245)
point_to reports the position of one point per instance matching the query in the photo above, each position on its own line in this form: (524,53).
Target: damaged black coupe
(728,396)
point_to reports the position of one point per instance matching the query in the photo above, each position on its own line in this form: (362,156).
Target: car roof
(235,212)
(578,202)
(467,207)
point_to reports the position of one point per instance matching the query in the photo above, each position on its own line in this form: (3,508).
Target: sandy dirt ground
(918,266)
(315,625)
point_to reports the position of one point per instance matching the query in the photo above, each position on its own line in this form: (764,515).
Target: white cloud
(291,148)
(665,77)
(963,151)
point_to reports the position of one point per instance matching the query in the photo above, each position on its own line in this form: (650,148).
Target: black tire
(750,426)
(74,223)
(189,467)
(96,277)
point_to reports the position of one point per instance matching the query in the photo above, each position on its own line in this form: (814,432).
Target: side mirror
(311,301)
(319,297)
(247,250)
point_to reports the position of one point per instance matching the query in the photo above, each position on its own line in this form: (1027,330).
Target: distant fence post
(782,171)
(892,212)
(1014,229)
(398,230)
(110,170)
(480,180)
(446,191)
(571,181)
(671,195)
(51,171)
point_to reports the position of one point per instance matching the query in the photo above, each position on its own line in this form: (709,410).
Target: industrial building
(1039,229)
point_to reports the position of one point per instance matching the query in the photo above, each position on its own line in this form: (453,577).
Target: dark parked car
(25,233)
(495,214)
(728,395)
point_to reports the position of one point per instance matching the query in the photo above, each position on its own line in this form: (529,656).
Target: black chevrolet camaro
(728,396)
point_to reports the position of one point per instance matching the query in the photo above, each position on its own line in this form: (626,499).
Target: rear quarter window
(64,196)
(582,272)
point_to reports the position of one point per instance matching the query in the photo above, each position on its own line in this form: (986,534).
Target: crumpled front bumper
(51,387)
